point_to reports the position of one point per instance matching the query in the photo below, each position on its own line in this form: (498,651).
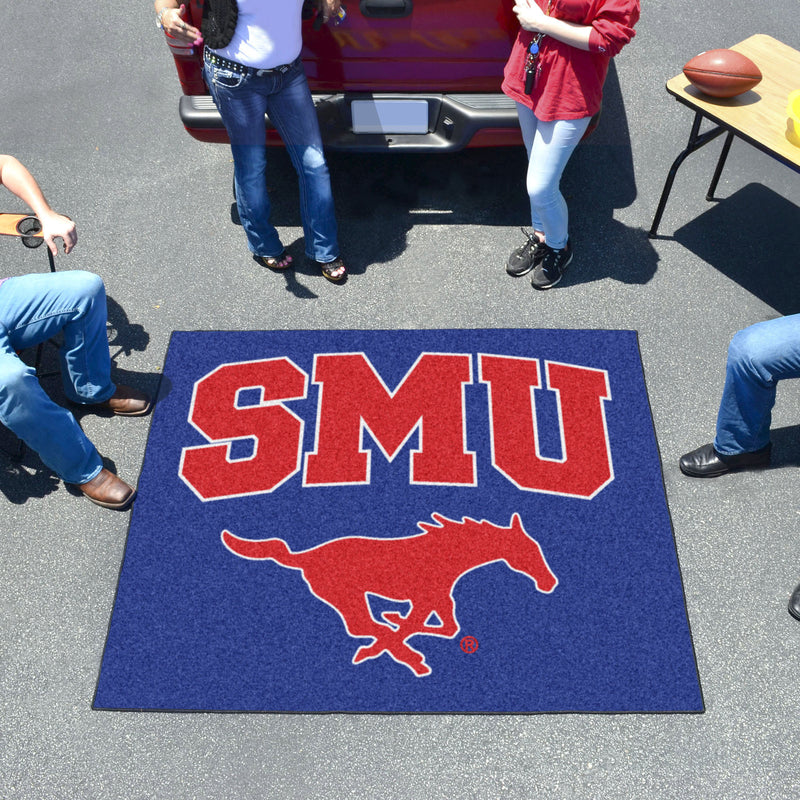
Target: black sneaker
(552,267)
(525,258)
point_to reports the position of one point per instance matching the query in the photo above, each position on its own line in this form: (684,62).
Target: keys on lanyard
(530,62)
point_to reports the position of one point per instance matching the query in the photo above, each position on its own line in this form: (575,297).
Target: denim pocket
(226,78)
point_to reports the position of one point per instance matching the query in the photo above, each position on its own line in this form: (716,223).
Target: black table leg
(696,141)
(720,164)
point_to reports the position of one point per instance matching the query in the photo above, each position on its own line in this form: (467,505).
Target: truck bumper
(454,121)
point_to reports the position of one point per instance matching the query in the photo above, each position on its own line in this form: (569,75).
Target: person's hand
(175,26)
(530,16)
(328,8)
(57,226)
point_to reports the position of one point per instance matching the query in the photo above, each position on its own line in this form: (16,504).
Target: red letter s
(276,432)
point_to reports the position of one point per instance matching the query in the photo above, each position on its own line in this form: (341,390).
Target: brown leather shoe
(107,490)
(127,402)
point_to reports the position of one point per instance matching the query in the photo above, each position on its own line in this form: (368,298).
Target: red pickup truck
(402,75)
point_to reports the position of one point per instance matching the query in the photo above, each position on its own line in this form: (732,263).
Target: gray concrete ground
(89,103)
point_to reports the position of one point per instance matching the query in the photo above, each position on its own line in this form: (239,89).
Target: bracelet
(159,23)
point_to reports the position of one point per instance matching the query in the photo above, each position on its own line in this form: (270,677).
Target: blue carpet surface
(440,521)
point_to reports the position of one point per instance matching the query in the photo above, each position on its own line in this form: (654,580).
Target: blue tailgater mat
(440,521)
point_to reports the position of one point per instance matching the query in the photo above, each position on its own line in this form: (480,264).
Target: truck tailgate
(412,45)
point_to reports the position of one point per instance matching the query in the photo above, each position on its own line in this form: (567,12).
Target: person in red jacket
(555,73)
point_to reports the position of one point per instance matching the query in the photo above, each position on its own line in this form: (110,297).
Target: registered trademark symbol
(469,644)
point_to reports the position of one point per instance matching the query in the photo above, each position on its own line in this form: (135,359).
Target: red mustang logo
(419,570)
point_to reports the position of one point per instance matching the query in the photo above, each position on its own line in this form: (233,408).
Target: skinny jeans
(549,146)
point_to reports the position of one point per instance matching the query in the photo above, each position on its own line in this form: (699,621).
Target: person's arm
(20,182)
(532,18)
(170,16)
(610,31)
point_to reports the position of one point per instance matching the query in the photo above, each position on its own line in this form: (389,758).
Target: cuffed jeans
(549,146)
(243,99)
(33,308)
(758,357)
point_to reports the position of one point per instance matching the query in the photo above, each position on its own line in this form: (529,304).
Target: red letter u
(585,466)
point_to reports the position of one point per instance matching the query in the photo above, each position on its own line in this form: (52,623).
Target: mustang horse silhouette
(421,570)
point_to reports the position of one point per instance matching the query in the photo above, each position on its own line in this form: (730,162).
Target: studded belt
(235,66)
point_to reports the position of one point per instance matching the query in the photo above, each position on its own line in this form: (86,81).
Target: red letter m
(354,398)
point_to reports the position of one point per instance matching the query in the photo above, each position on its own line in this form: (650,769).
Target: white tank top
(267,33)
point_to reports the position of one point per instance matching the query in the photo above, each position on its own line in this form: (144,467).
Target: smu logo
(354,400)
(247,403)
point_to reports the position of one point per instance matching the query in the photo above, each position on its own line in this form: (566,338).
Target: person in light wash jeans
(555,73)
(33,309)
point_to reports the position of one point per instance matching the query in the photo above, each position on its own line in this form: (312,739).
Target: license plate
(389,116)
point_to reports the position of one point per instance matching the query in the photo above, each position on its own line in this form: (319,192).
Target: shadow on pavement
(380,197)
(20,481)
(599,179)
(753,237)
(785,446)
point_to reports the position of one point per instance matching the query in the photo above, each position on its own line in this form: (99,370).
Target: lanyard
(532,57)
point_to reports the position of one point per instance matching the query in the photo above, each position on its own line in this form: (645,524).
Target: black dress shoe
(794,602)
(706,462)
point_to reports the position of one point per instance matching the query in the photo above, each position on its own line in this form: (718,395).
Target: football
(722,73)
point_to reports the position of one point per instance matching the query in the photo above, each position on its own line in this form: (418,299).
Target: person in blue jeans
(252,67)
(33,309)
(758,358)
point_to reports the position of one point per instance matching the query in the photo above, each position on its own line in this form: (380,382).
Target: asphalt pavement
(89,103)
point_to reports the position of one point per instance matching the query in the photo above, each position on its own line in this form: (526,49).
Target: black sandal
(274,262)
(328,268)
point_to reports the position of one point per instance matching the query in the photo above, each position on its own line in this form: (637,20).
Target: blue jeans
(758,357)
(243,100)
(34,308)
(549,146)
